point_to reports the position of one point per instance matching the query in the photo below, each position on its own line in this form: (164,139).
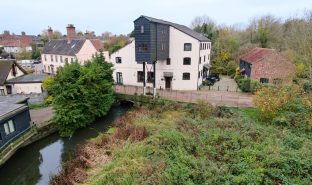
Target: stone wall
(33,98)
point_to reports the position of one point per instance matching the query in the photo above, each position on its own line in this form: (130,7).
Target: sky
(117,16)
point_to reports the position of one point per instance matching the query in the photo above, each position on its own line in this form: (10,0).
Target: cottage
(57,52)
(15,80)
(266,65)
(164,55)
(14,118)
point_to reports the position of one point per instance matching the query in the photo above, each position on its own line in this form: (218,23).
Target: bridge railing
(218,98)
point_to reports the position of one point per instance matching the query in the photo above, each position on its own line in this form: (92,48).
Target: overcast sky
(117,16)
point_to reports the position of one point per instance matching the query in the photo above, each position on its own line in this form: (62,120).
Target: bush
(285,106)
(231,68)
(255,86)
(244,84)
(307,86)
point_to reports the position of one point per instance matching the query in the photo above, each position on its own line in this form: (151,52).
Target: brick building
(266,65)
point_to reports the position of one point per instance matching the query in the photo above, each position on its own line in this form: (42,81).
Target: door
(9,89)
(119,78)
(168,82)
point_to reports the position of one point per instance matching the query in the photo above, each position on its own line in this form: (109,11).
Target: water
(35,163)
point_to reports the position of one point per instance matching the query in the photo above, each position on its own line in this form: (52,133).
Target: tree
(23,54)
(36,53)
(56,35)
(81,94)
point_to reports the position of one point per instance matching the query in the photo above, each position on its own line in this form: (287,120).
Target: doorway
(119,78)
(9,89)
(168,81)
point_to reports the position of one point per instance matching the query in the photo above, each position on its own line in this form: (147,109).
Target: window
(142,48)
(201,46)
(187,47)
(198,74)
(66,59)
(264,80)
(186,76)
(142,29)
(186,61)
(163,46)
(61,59)
(150,77)
(140,76)
(119,79)
(277,81)
(118,60)
(209,57)
(9,127)
(45,57)
(205,58)
(55,58)
(51,56)
(199,60)
(71,60)
(168,61)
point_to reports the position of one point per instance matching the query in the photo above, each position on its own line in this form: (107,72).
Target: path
(41,116)
(230,99)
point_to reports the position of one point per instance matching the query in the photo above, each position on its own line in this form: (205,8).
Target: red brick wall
(272,67)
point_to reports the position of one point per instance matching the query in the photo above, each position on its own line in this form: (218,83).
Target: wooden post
(144,83)
(154,81)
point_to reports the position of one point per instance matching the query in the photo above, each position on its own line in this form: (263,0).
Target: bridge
(218,98)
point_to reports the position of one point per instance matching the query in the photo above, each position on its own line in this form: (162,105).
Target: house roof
(30,78)
(256,54)
(5,68)
(8,40)
(182,28)
(62,47)
(11,105)
(98,44)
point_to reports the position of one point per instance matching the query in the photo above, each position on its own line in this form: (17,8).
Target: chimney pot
(71,32)
(23,33)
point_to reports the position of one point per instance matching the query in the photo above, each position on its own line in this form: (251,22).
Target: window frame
(187,47)
(51,58)
(150,77)
(168,61)
(186,77)
(140,76)
(142,29)
(118,60)
(143,48)
(9,127)
(185,62)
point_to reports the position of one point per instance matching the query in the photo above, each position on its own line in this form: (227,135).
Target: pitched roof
(5,68)
(8,40)
(62,47)
(182,28)
(11,105)
(30,78)
(257,54)
(98,44)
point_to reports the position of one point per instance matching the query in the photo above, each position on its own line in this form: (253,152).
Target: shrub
(307,86)
(231,68)
(255,86)
(244,84)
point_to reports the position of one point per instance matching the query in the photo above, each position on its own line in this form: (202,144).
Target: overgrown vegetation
(79,94)
(193,144)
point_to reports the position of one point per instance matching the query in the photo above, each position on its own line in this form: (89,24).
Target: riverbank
(192,144)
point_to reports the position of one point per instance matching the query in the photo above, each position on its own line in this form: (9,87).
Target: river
(35,163)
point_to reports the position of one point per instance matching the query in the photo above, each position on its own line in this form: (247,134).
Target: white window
(9,127)
(142,29)
(71,60)
(61,59)
(55,58)
(51,58)
(118,60)
(45,57)
(187,47)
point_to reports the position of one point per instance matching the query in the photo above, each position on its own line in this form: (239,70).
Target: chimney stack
(23,33)
(50,33)
(6,32)
(71,32)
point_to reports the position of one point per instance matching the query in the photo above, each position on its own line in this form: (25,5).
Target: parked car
(37,62)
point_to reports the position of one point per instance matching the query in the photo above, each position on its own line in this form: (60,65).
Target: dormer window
(187,47)
(142,29)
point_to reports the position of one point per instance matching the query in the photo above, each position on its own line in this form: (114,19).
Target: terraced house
(57,51)
(164,55)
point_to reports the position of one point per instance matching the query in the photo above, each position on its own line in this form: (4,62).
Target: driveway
(225,84)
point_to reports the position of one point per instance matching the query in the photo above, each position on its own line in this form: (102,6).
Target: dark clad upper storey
(152,38)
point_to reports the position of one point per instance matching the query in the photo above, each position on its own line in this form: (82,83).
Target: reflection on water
(35,163)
